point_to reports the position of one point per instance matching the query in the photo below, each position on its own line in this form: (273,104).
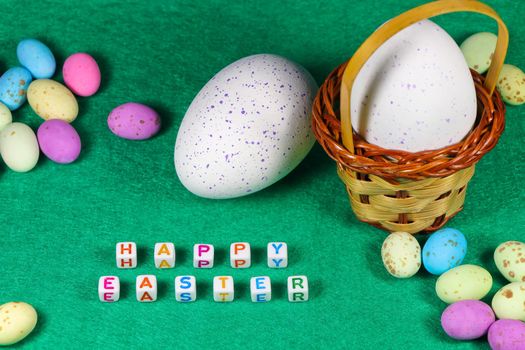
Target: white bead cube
(109,289)
(164,255)
(261,289)
(223,288)
(146,287)
(297,289)
(185,288)
(277,255)
(240,255)
(203,255)
(126,255)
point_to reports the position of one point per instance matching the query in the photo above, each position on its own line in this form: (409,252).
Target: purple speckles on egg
(260,108)
(59,141)
(134,121)
(507,335)
(467,319)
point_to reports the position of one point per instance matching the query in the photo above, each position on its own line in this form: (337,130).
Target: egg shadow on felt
(82,130)
(166,116)
(105,70)
(487,258)
(39,328)
(305,172)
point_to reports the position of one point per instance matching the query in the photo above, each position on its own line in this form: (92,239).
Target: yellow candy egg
(52,100)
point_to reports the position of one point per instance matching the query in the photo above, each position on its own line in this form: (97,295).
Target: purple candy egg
(59,141)
(467,319)
(507,335)
(134,121)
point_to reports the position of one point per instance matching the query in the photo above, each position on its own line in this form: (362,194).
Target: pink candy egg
(59,141)
(81,74)
(467,319)
(507,335)
(134,121)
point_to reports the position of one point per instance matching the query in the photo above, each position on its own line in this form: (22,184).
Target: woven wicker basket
(398,190)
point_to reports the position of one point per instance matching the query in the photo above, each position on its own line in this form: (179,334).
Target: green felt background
(59,224)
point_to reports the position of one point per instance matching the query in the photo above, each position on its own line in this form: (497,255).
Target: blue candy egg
(13,87)
(37,58)
(444,249)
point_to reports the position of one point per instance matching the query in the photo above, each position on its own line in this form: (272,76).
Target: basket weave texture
(403,191)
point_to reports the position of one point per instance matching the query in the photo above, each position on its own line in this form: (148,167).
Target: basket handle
(390,28)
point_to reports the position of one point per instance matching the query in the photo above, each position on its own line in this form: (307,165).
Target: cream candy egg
(415,92)
(17,320)
(247,128)
(19,147)
(401,254)
(510,260)
(5,116)
(509,302)
(462,283)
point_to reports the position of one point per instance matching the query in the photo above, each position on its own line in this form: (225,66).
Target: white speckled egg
(401,254)
(247,128)
(510,260)
(509,302)
(415,92)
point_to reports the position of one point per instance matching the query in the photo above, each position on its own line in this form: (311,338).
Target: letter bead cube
(146,287)
(185,288)
(240,255)
(297,289)
(126,255)
(261,289)
(223,288)
(109,289)
(277,255)
(203,255)
(164,255)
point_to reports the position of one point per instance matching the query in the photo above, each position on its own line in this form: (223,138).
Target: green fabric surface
(59,223)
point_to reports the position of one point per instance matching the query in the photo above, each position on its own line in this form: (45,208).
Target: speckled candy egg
(507,335)
(37,58)
(511,84)
(59,141)
(509,301)
(478,50)
(463,283)
(13,87)
(81,74)
(5,116)
(467,319)
(17,320)
(52,100)
(415,92)
(444,249)
(19,147)
(401,255)
(134,121)
(247,128)
(510,260)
